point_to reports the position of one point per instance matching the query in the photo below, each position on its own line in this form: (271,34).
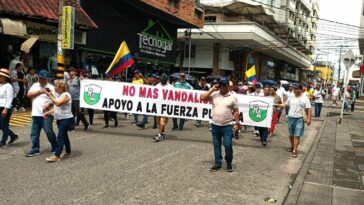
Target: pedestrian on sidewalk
(225,120)
(16,87)
(276,110)
(6,99)
(62,112)
(162,121)
(74,85)
(38,94)
(110,114)
(354,96)
(318,99)
(299,112)
(335,95)
(181,84)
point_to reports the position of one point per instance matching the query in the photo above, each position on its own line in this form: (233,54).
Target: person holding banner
(139,79)
(162,121)
(263,131)
(277,110)
(299,112)
(182,84)
(108,114)
(225,120)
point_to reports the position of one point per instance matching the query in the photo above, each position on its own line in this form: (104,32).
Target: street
(125,166)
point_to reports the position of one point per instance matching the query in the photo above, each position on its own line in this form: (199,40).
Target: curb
(293,194)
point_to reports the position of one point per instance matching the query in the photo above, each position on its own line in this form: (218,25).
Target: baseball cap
(203,78)
(224,81)
(43,74)
(297,86)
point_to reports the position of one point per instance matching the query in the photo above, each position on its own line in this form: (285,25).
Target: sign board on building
(157,41)
(68,26)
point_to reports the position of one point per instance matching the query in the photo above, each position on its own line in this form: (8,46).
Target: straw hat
(5,72)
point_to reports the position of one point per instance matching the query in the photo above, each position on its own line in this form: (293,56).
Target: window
(198,14)
(174,3)
(291,15)
(210,18)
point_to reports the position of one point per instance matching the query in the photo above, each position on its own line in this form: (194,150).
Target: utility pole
(338,78)
(189,51)
(60,56)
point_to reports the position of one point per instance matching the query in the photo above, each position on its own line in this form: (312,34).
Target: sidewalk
(333,172)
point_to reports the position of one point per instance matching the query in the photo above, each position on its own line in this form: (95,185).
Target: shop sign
(68,27)
(156,42)
(44,32)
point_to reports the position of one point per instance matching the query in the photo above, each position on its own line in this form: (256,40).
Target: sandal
(290,149)
(294,154)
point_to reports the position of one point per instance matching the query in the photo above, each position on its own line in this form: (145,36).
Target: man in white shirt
(40,99)
(318,100)
(280,92)
(300,106)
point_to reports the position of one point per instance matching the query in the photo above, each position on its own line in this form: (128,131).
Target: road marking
(20,119)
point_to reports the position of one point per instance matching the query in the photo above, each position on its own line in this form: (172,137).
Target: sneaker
(32,153)
(53,159)
(264,143)
(22,109)
(229,168)
(2,146)
(86,127)
(174,128)
(13,139)
(210,129)
(215,168)
(66,155)
(256,132)
(116,123)
(164,136)
(158,137)
(106,126)
(155,127)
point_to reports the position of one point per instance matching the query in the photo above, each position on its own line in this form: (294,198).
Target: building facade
(277,37)
(361,48)
(149,28)
(38,18)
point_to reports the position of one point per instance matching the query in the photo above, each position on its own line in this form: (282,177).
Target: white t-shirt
(6,95)
(317,95)
(280,92)
(40,100)
(64,111)
(335,91)
(290,95)
(297,104)
(159,85)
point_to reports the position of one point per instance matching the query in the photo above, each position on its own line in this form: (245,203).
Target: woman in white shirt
(6,99)
(63,114)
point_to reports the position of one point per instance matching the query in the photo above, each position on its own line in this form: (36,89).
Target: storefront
(150,35)
(15,29)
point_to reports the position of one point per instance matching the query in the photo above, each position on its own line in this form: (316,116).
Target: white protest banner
(168,102)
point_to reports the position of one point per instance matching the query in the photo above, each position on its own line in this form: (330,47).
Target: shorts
(296,127)
(162,120)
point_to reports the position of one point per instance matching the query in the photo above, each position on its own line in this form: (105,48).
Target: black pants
(77,113)
(90,115)
(20,98)
(352,106)
(110,114)
(181,123)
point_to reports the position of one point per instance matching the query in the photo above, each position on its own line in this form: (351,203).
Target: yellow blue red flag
(250,74)
(122,60)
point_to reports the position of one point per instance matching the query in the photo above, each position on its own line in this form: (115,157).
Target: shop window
(174,3)
(193,51)
(210,18)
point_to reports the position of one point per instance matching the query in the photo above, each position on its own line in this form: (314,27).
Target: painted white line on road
(338,187)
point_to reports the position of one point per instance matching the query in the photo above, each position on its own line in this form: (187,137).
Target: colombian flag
(250,75)
(122,60)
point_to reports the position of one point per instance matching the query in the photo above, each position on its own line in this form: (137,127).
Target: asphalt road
(125,166)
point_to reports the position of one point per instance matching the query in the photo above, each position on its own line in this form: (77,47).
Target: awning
(12,27)
(28,44)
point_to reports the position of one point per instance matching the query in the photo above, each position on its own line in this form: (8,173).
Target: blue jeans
(145,119)
(225,133)
(318,107)
(4,125)
(296,127)
(263,132)
(37,124)
(346,106)
(62,137)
